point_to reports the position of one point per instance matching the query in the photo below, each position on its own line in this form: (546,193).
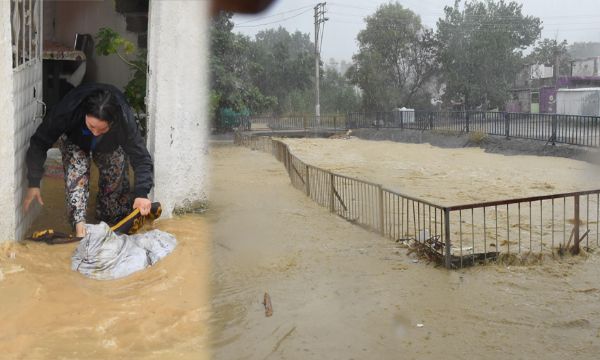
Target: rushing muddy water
(447,176)
(456,176)
(48,311)
(340,292)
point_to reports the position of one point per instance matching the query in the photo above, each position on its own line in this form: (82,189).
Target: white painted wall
(21,88)
(177,101)
(7,167)
(87,17)
(27,88)
(586,67)
(584,101)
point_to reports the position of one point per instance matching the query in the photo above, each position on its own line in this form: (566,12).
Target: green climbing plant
(110,42)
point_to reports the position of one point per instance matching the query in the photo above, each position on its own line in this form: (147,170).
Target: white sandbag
(105,255)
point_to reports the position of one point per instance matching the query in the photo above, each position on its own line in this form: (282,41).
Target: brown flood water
(340,292)
(48,311)
(459,176)
(447,176)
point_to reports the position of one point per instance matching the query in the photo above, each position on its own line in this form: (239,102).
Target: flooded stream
(338,291)
(341,292)
(447,176)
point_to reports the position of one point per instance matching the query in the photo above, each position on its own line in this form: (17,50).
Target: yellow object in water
(128,225)
(133,222)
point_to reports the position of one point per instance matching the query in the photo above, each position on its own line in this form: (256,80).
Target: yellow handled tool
(130,224)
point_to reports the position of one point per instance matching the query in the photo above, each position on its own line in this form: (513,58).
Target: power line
(273,22)
(351,6)
(273,15)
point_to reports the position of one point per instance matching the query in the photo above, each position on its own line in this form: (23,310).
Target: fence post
(334,123)
(307,182)
(467,118)
(331,194)
(448,252)
(304,122)
(281,154)
(507,125)
(347,120)
(430,121)
(575,249)
(380,203)
(401,119)
(553,129)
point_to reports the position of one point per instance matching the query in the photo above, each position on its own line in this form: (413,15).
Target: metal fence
(524,229)
(531,226)
(552,128)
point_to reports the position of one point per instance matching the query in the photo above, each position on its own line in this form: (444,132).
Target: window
(26,21)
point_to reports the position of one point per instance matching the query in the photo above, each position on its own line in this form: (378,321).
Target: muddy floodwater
(341,292)
(337,290)
(447,176)
(48,311)
(458,176)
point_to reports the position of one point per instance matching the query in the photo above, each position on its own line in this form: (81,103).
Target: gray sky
(573,20)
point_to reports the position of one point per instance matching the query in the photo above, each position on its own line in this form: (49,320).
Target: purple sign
(548,100)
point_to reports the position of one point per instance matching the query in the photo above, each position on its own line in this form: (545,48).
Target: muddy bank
(489,143)
(48,311)
(341,292)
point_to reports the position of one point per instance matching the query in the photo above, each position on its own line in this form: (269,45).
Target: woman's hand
(33,193)
(143,204)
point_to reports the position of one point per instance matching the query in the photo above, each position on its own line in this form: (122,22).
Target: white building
(585,67)
(581,101)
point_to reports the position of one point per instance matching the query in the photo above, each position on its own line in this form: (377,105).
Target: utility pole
(319,27)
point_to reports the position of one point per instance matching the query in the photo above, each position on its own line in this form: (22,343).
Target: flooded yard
(341,292)
(48,311)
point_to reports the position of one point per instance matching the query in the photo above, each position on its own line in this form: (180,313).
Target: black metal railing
(522,229)
(551,128)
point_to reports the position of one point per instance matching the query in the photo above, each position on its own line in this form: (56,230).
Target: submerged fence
(456,236)
(553,128)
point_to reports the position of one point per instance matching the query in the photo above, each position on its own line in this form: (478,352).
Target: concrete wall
(541,71)
(524,98)
(27,88)
(88,17)
(7,166)
(21,88)
(578,102)
(585,67)
(49,20)
(178,100)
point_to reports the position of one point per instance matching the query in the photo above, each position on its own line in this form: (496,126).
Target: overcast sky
(573,20)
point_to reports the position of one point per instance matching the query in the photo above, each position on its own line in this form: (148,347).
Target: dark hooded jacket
(68,118)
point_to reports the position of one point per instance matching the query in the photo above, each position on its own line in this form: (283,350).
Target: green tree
(284,67)
(231,64)
(395,60)
(480,50)
(338,95)
(109,42)
(547,50)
